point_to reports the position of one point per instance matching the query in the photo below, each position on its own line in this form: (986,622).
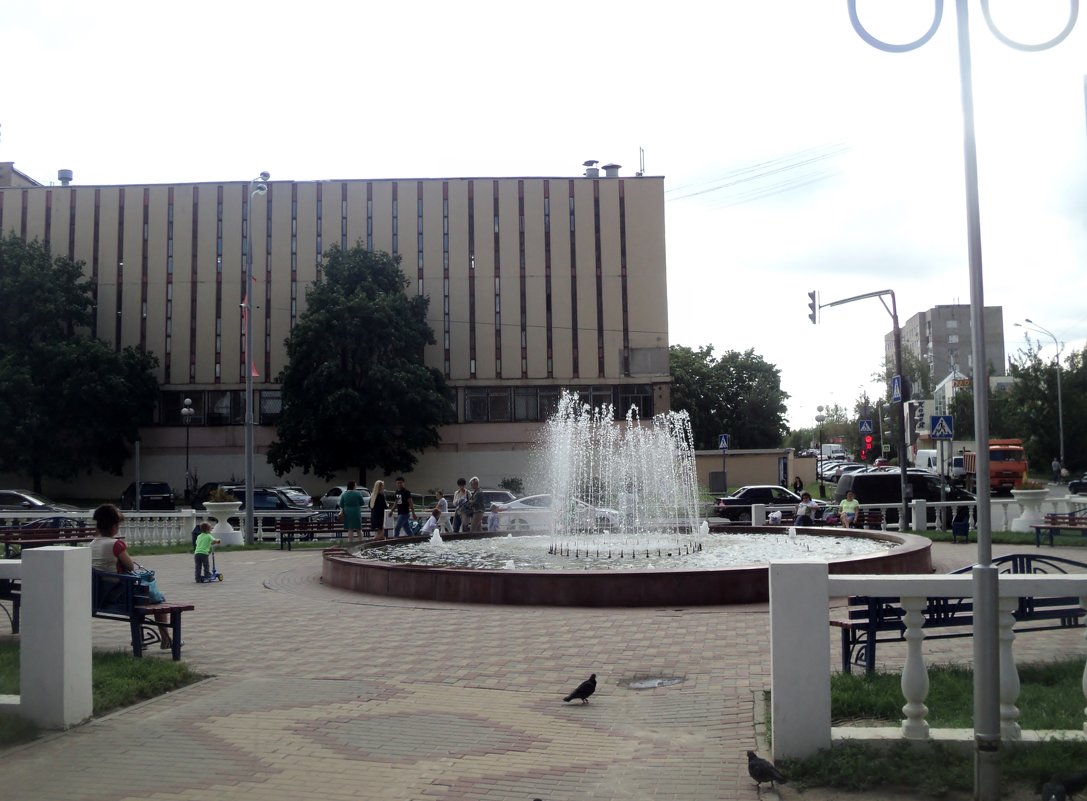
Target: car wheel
(744,517)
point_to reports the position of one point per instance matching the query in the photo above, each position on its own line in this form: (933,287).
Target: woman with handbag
(110,553)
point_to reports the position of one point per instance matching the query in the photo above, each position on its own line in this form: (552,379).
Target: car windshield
(155,488)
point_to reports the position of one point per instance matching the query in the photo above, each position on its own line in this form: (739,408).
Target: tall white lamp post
(1060,406)
(258,186)
(187,412)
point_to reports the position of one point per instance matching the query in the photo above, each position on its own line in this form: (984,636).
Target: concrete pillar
(799,657)
(55,659)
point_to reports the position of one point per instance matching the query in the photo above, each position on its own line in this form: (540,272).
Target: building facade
(535,285)
(943,338)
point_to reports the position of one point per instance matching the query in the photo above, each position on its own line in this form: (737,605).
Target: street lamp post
(186,417)
(819,418)
(258,186)
(1060,406)
(984,574)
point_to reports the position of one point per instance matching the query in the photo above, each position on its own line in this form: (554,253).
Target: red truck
(1007,466)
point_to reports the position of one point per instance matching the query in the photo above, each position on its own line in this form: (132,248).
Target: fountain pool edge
(598,588)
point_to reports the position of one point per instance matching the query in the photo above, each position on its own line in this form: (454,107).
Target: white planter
(223,531)
(1030,504)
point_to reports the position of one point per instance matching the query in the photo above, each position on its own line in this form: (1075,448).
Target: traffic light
(813,306)
(867,446)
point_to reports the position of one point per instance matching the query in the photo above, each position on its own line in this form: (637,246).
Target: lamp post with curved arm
(985,575)
(258,186)
(1033,326)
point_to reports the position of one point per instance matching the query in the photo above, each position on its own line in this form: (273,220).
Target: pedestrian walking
(351,511)
(378,505)
(460,498)
(405,509)
(1056,465)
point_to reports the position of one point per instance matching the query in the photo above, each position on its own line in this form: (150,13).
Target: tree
(739,394)
(356,393)
(69,402)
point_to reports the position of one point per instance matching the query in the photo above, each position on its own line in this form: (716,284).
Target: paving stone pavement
(317,692)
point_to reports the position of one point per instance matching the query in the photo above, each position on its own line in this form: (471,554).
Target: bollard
(55,649)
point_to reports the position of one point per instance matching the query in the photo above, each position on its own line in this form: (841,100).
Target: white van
(928,459)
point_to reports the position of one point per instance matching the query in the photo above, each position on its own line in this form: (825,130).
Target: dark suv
(155,495)
(885,488)
(736,506)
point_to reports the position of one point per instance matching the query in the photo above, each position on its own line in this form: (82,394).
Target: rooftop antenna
(641,162)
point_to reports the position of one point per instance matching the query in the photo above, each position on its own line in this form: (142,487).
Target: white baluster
(1009,674)
(914,672)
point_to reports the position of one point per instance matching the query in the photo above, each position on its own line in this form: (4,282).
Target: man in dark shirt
(405,508)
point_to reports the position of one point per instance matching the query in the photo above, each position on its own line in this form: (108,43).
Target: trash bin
(960,528)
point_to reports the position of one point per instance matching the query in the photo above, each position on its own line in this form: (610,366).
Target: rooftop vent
(590,168)
(612,170)
(64,176)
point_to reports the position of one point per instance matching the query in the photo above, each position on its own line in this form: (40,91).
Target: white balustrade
(801,715)
(914,672)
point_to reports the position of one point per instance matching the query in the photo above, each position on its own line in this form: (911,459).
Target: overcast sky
(796,156)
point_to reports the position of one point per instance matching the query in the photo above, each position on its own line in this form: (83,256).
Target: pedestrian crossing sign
(896,389)
(865,426)
(942,426)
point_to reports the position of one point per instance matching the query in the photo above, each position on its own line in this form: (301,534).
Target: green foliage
(69,401)
(118,679)
(514,485)
(1029,409)
(739,394)
(356,393)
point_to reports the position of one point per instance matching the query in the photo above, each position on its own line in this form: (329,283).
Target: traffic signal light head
(813,307)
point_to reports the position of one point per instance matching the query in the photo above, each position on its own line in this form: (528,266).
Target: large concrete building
(535,285)
(942,337)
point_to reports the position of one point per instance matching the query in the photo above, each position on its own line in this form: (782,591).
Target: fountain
(623,530)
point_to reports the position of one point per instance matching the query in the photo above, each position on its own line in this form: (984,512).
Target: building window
(226,407)
(271,407)
(475,406)
(952,339)
(170,405)
(640,396)
(526,404)
(952,323)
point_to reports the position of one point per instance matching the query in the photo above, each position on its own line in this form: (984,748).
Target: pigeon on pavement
(583,691)
(1053,790)
(763,771)
(1075,783)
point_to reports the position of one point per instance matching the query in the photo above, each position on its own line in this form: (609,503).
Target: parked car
(331,499)
(154,495)
(265,499)
(1078,486)
(736,506)
(845,467)
(205,490)
(17,500)
(297,494)
(885,488)
(537,511)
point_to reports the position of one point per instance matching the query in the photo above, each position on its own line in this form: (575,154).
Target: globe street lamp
(1060,406)
(258,186)
(187,412)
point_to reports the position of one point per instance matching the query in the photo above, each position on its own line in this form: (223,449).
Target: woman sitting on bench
(110,553)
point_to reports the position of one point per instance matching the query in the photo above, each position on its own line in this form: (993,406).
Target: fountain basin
(626,588)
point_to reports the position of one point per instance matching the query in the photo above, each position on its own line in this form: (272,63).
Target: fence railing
(800,664)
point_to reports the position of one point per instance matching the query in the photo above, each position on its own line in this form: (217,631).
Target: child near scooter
(202,552)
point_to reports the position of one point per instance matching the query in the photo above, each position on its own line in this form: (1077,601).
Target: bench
(871,620)
(121,596)
(11,592)
(869,518)
(34,537)
(1059,521)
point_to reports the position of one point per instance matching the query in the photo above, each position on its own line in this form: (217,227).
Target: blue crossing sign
(865,426)
(896,389)
(722,442)
(942,427)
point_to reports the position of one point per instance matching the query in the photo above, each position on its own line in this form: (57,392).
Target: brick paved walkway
(326,694)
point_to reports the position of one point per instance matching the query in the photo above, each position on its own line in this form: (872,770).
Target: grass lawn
(118,680)
(1051,698)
